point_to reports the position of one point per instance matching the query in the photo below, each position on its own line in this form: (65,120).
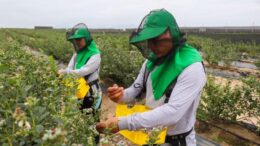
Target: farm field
(38,107)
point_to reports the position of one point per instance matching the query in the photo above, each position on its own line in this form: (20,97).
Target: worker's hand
(115,93)
(61,71)
(110,125)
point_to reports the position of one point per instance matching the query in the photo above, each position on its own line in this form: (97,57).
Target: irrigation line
(227,131)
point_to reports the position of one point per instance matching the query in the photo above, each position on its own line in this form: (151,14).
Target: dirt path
(230,71)
(108,108)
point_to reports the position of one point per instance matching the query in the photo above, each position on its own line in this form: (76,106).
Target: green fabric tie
(84,55)
(163,74)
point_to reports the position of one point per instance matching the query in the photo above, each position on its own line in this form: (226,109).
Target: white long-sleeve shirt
(91,68)
(179,114)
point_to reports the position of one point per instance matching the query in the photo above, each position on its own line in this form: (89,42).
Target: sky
(126,13)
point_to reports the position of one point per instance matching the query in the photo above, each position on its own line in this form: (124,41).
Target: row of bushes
(224,50)
(49,42)
(222,101)
(122,61)
(36,106)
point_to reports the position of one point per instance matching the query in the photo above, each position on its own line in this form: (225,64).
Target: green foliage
(36,106)
(153,135)
(229,103)
(222,50)
(120,61)
(50,42)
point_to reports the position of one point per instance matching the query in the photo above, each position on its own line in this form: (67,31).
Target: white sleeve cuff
(122,123)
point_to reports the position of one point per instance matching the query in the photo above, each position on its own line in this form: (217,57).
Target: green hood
(171,66)
(163,75)
(79,31)
(84,55)
(156,23)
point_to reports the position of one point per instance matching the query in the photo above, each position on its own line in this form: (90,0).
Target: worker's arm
(188,87)
(91,66)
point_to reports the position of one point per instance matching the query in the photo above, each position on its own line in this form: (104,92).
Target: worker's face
(161,45)
(80,43)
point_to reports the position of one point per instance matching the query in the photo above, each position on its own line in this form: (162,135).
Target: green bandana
(162,75)
(84,55)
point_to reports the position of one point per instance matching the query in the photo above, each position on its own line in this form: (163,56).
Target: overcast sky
(126,13)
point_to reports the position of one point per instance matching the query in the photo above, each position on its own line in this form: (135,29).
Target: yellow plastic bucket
(137,137)
(82,89)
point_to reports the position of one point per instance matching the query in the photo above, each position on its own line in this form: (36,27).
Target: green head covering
(83,54)
(79,31)
(162,75)
(154,24)
(171,66)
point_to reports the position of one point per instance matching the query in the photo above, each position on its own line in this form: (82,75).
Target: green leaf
(39,128)
(4,68)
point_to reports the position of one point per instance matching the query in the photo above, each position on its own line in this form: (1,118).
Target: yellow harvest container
(136,137)
(82,89)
